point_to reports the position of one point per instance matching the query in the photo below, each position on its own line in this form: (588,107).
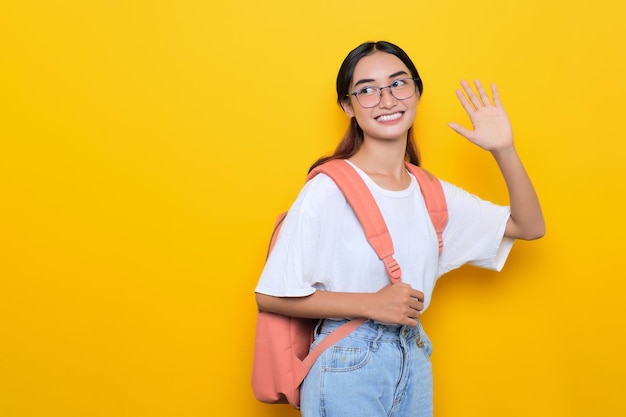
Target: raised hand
(491,127)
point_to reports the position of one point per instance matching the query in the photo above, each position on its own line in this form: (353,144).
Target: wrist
(366,306)
(504,153)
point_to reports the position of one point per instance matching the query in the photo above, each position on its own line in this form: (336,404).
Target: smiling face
(391,118)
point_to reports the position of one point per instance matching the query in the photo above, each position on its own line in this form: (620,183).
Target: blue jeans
(378,370)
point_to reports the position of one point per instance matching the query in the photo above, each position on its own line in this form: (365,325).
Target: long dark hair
(353,138)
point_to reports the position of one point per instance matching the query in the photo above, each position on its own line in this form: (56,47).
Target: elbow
(269,303)
(537,235)
(534,233)
(541,233)
(262,301)
(531,230)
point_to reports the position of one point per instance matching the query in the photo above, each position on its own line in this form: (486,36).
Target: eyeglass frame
(380,92)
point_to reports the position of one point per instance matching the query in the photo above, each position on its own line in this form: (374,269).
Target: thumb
(460,129)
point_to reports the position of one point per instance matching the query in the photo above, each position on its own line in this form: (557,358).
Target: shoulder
(318,194)
(461,203)
(457,198)
(452,191)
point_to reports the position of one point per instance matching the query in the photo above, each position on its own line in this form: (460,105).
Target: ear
(346,105)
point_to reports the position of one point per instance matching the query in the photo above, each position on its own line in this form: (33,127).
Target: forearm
(394,304)
(320,304)
(526,221)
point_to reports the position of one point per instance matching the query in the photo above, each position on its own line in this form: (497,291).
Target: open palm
(491,127)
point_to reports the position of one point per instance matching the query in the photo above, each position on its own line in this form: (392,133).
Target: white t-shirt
(322,246)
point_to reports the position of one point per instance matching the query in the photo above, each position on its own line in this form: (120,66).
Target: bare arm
(526,221)
(492,132)
(393,304)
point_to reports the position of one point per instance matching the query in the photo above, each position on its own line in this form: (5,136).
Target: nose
(387,99)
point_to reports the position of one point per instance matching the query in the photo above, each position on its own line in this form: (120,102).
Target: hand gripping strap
(364,206)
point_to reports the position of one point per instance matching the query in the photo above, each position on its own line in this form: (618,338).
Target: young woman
(322,266)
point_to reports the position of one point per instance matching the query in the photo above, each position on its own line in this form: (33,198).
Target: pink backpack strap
(434,198)
(364,206)
(331,339)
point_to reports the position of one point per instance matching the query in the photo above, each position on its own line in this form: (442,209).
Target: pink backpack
(281,351)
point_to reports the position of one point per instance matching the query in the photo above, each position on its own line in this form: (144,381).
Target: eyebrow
(371,80)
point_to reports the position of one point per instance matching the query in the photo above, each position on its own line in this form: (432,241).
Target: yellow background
(146,147)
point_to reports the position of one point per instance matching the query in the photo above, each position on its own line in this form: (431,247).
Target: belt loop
(418,340)
(378,336)
(318,327)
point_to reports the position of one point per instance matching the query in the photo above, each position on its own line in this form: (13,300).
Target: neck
(383,161)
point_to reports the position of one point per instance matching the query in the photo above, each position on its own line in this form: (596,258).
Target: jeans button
(419,342)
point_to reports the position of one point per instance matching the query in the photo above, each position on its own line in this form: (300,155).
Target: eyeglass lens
(401,89)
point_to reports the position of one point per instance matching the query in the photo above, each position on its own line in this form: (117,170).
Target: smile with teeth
(389,117)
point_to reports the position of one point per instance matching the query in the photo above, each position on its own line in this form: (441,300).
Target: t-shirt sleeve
(475,232)
(292,268)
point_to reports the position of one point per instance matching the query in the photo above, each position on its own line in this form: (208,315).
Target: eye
(367,91)
(398,83)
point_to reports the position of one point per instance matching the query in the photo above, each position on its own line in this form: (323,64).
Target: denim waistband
(371,330)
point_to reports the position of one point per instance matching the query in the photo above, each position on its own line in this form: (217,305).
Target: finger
(414,315)
(484,97)
(411,322)
(496,96)
(417,295)
(469,108)
(460,130)
(417,305)
(416,302)
(471,94)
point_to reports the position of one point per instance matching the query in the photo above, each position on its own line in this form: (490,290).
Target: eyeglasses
(370,96)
